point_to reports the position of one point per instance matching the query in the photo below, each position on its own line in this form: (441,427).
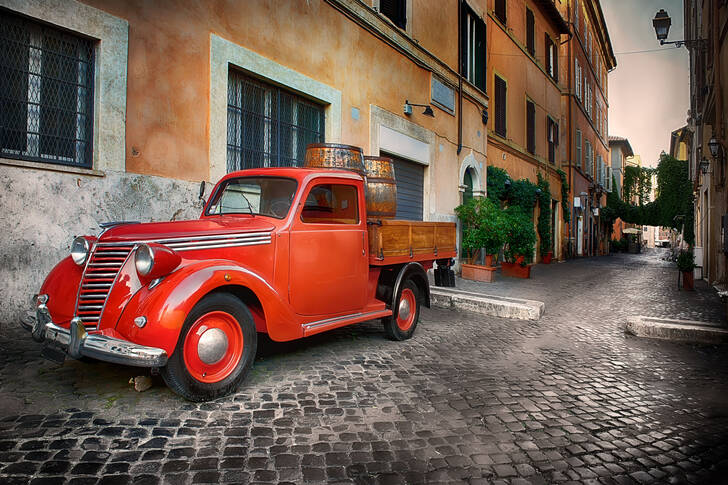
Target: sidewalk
(647,286)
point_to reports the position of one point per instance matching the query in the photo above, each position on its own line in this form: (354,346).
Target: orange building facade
(525,86)
(588,59)
(120,108)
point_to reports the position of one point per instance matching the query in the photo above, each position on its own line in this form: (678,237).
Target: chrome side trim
(329,321)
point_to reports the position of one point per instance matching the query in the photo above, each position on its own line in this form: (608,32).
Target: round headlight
(80,250)
(144,259)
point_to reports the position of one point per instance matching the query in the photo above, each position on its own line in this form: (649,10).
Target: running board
(313,328)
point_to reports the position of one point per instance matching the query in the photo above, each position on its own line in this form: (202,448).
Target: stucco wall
(44,210)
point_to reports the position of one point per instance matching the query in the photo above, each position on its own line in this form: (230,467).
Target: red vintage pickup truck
(284,251)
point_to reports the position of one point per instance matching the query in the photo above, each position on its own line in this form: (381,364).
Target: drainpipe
(572,190)
(460,77)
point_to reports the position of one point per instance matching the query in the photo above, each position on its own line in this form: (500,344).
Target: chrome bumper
(76,342)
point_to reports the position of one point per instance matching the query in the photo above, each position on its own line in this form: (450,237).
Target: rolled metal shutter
(410,179)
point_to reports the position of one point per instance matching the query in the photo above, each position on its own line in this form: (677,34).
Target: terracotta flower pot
(515,270)
(547,259)
(688,283)
(476,272)
(489,260)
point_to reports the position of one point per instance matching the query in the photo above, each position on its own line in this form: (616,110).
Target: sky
(649,93)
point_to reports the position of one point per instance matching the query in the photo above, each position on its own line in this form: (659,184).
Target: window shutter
(530,32)
(500,108)
(530,127)
(578,150)
(480,55)
(555,67)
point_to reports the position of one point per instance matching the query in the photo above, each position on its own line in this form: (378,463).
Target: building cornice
(368,19)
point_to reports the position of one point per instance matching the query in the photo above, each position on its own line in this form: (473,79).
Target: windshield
(266,196)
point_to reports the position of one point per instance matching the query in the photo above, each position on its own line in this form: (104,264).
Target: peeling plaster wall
(44,210)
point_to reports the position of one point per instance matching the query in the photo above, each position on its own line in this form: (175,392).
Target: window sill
(51,167)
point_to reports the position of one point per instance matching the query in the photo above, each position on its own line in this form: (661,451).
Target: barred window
(268,126)
(46,93)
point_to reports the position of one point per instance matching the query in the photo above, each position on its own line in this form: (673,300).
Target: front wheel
(215,349)
(403,322)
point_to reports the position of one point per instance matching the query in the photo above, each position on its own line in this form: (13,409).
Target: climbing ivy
(564,196)
(544,215)
(637,183)
(497,189)
(673,206)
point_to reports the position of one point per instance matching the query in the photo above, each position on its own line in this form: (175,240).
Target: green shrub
(685,260)
(520,235)
(483,226)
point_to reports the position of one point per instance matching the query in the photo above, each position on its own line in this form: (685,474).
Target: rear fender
(167,305)
(416,273)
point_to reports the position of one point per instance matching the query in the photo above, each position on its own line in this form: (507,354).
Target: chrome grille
(98,278)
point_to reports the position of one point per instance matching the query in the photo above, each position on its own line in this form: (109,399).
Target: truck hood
(160,231)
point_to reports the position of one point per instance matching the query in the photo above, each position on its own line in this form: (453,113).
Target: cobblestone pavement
(470,399)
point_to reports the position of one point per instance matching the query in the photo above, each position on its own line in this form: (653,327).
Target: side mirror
(202,191)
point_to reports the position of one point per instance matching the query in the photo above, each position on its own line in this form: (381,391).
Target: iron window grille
(268,126)
(46,93)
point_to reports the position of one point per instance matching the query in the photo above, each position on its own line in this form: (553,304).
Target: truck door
(329,265)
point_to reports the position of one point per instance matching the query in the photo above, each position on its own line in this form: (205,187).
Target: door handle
(363,244)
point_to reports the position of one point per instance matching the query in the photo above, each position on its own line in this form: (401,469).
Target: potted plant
(520,243)
(686,265)
(483,230)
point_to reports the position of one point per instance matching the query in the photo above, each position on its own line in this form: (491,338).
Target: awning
(631,230)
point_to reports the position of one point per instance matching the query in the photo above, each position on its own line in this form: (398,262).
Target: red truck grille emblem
(98,278)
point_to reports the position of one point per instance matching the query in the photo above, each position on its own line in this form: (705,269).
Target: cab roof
(300,174)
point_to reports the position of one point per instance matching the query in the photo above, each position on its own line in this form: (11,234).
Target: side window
(331,204)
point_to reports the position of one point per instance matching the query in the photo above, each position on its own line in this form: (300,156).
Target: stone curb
(497,306)
(678,330)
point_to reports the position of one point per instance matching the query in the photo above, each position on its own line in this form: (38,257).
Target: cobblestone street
(470,399)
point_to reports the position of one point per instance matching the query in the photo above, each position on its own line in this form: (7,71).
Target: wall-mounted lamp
(662,23)
(427,111)
(484,115)
(704,166)
(714,147)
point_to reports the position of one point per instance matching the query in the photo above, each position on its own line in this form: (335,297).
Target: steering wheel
(279,208)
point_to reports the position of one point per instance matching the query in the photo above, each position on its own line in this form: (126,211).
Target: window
(500,11)
(266,196)
(395,10)
(552,137)
(46,89)
(501,91)
(578,150)
(473,48)
(268,126)
(588,159)
(530,32)
(600,171)
(331,204)
(552,59)
(577,78)
(576,15)
(530,126)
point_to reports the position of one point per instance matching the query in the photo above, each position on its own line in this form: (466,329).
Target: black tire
(182,379)
(393,325)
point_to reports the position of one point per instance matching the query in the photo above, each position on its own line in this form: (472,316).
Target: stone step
(678,330)
(495,305)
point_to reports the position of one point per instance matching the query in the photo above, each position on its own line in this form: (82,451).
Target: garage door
(410,178)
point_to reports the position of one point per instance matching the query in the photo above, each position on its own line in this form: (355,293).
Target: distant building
(619,150)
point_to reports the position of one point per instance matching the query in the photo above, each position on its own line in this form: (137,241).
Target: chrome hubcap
(212,346)
(404,309)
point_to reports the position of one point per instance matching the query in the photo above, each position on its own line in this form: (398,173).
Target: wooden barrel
(381,188)
(332,155)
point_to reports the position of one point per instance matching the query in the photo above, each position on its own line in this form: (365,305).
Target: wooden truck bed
(396,241)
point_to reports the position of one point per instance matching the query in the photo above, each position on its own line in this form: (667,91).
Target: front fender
(61,286)
(167,305)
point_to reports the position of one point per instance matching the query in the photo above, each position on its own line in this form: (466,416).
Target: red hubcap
(407,309)
(213,347)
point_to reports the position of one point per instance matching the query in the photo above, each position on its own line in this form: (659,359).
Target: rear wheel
(215,349)
(403,322)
